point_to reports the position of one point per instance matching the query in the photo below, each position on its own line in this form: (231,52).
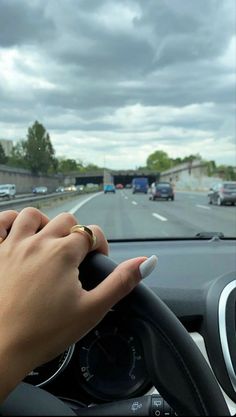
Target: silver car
(40,190)
(222,193)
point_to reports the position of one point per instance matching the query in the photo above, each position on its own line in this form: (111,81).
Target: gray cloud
(23,22)
(77,65)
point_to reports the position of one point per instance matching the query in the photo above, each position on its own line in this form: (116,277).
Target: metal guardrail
(33,198)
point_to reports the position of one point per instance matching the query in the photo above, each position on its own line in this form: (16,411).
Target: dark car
(222,193)
(162,190)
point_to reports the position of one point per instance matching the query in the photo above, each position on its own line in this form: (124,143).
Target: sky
(114,81)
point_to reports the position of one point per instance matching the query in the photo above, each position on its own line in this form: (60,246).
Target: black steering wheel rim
(191,373)
(188,385)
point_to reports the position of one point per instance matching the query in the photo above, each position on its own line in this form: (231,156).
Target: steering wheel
(186,381)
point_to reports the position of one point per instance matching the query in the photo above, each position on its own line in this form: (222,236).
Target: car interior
(167,349)
(101,100)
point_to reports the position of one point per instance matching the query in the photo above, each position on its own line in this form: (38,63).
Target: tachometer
(111,361)
(50,370)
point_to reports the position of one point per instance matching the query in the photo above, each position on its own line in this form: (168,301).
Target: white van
(7,191)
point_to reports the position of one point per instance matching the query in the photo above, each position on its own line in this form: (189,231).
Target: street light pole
(104,165)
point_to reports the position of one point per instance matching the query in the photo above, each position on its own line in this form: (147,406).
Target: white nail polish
(148,266)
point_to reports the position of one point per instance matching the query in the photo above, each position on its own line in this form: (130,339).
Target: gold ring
(80,228)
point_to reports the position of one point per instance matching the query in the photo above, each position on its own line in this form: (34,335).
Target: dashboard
(107,364)
(197,280)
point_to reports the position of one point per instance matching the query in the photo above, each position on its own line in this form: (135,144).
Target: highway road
(125,215)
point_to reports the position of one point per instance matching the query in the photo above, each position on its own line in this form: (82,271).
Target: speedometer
(50,370)
(111,361)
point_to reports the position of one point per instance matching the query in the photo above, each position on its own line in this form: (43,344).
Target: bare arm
(43,307)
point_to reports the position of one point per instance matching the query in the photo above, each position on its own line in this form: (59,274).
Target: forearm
(13,369)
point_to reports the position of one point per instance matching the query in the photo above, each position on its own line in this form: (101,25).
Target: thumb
(120,282)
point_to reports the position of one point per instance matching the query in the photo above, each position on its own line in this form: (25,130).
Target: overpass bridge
(119,177)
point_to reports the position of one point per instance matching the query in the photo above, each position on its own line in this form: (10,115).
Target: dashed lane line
(134,203)
(203,207)
(159,217)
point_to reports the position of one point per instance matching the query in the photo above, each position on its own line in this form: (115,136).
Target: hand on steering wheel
(44,308)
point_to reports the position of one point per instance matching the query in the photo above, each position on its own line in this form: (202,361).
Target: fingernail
(148,266)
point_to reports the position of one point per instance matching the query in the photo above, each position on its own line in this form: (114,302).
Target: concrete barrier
(25,181)
(190,177)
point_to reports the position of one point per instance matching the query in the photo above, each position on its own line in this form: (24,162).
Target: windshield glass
(160,186)
(97,93)
(231,186)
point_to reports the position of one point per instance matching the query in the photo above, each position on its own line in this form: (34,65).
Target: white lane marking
(158,216)
(134,202)
(203,207)
(82,203)
(126,197)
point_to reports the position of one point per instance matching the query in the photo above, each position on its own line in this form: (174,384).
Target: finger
(6,219)
(60,225)
(28,222)
(79,243)
(116,286)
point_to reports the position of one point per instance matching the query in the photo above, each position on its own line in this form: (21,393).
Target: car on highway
(60,189)
(92,186)
(71,187)
(109,188)
(222,193)
(126,90)
(119,186)
(40,190)
(7,191)
(162,191)
(140,185)
(80,187)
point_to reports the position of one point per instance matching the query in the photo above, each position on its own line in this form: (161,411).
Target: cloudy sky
(116,80)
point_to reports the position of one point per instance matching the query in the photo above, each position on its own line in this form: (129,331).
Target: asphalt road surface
(125,215)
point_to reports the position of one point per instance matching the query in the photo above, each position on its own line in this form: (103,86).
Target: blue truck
(140,185)
(108,182)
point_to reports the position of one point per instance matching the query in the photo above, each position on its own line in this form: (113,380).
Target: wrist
(13,369)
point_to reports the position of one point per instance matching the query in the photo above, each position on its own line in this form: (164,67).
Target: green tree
(227,172)
(191,158)
(176,161)
(39,152)
(3,157)
(211,168)
(17,156)
(158,161)
(92,167)
(67,165)
(230,173)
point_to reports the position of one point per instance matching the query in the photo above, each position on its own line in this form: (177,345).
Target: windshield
(160,186)
(97,93)
(231,186)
